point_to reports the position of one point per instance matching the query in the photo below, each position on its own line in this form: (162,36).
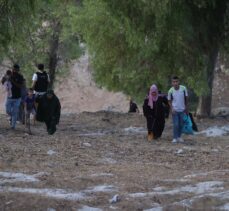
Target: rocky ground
(102,161)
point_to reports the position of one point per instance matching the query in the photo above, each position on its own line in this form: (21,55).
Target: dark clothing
(48,111)
(42,82)
(51,126)
(133,107)
(21,114)
(194,126)
(30,102)
(17,81)
(155,117)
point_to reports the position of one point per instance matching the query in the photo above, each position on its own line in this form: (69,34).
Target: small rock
(116,198)
(179,151)
(87,144)
(215,150)
(9,202)
(51,209)
(51,152)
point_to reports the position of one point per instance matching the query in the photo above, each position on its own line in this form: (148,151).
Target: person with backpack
(177,96)
(40,81)
(153,110)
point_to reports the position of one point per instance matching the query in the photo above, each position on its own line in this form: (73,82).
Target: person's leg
(27,121)
(181,123)
(158,129)
(15,110)
(175,125)
(52,128)
(150,122)
(47,123)
(34,116)
(9,106)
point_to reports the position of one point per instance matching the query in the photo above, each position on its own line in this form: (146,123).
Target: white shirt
(178,98)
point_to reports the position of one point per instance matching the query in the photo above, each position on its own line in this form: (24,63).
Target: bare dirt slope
(78,92)
(94,157)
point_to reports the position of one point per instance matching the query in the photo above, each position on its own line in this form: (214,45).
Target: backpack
(187,127)
(42,82)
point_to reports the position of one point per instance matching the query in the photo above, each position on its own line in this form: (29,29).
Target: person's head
(41,67)
(130,99)
(16,68)
(153,95)
(153,91)
(50,94)
(30,92)
(175,82)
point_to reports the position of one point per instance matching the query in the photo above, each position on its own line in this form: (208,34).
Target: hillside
(78,92)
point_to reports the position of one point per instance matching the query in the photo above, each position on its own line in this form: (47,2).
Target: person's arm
(186,101)
(170,101)
(34,80)
(165,100)
(48,78)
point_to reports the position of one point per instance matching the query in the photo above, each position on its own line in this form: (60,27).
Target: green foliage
(136,43)
(34,44)
(12,16)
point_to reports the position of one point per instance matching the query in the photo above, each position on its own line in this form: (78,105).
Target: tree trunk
(204,104)
(53,56)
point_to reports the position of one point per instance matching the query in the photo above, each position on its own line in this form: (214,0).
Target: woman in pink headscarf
(153,109)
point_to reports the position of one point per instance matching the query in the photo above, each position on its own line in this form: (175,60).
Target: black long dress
(155,117)
(48,111)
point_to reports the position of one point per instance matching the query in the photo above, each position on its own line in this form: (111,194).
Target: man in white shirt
(177,97)
(40,81)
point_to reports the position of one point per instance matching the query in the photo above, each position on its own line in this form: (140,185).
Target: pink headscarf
(152,99)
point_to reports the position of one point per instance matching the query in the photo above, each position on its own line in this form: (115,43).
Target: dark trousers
(156,126)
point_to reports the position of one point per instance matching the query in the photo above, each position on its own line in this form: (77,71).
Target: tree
(46,39)
(12,16)
(135,43)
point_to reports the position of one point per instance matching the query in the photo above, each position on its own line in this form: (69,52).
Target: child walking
(29,106)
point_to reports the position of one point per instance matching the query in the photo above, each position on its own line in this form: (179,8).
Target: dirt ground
(94,157)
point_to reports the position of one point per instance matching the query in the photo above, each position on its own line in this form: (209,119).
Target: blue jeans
(12,108)
(177,124)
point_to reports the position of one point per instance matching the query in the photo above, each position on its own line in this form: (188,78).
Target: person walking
(40,81)
(48,111)
(177,96)
(14,101)
(153,110)
(29,108)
